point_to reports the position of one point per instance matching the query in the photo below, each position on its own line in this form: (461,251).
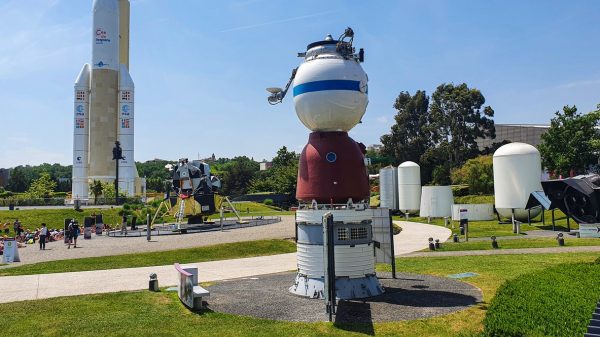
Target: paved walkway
(578,249)
(415,236)
(29,287)
(105,246)
(535,234)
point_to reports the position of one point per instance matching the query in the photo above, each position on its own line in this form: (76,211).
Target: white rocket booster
(127,168)
(81,134)
(104,93)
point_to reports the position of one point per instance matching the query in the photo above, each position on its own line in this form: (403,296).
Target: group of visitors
(41,235)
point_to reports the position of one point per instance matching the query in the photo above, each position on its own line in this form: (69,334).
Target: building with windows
(523,133)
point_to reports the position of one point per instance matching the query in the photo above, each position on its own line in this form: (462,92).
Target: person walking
(69,233)
(75,233)
(16,226)
(43,236)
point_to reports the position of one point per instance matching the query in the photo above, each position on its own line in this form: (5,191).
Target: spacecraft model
(104,105)
(577,197)
(330,97)
(195,187)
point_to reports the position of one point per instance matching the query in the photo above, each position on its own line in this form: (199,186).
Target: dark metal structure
(577,197)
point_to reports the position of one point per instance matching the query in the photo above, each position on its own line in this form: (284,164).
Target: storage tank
(409,187)
(388,187)
(517,173)
(436,201)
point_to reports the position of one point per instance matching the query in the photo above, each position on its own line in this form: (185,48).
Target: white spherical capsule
(330,91)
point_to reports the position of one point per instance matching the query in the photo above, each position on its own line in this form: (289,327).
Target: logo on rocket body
(79,110)
(101,64)
(101,36)
(125,110)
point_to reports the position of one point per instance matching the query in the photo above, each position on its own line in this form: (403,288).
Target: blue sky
(201,68)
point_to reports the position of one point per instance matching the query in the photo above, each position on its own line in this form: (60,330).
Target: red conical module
(332,169)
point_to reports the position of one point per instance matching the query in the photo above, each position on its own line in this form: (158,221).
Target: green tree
(410,136)
(42,188)
(572,142)
(284,158)
(97,188)
(438,133)
(459,117)
(478,173)
(281,178)
(18,182)
(237,174)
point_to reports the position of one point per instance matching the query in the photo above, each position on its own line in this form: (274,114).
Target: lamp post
(117,154)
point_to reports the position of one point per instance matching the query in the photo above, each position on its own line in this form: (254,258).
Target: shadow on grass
(348,311)
(556,228)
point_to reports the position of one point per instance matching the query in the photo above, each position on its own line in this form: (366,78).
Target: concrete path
(578,249)
(30,287)
(535,234)
(105,246)
(415,236)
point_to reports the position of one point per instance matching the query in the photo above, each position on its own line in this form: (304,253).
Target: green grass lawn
(137,313)
(488,228)
(515,244)
(54,218)
(201,254)
(530,305)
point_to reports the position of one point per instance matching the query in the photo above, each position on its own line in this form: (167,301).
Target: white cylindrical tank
(330,90)
(409,187)
(388,187)
(436,201)
(517,173)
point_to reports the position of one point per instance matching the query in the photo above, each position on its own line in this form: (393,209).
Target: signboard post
(383,237)
(99,224)
(11,251)
(88,223)
(464,223)
(329,265)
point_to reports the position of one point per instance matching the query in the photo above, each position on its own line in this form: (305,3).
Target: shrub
(477,173)
(554,302)
(460,190)
(474,199)
(268,202)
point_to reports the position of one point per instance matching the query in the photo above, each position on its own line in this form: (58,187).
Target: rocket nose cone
(110,5)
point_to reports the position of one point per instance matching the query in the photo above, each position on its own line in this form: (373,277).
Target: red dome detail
(332,169)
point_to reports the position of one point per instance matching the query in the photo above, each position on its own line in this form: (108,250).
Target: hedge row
(554,302)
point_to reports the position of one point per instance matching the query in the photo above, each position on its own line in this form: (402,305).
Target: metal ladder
(181,213)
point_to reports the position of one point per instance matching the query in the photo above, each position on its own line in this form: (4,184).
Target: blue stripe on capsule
(326,85)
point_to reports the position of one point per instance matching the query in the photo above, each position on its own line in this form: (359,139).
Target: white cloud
(296,18)
(574,84)
(382,120)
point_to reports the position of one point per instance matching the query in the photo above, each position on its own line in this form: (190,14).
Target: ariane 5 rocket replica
(330,98)
(104,105)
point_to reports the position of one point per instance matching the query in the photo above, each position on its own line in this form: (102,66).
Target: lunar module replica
(330,98)
(195,187)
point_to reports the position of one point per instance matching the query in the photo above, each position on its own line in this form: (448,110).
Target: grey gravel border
(409,297)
